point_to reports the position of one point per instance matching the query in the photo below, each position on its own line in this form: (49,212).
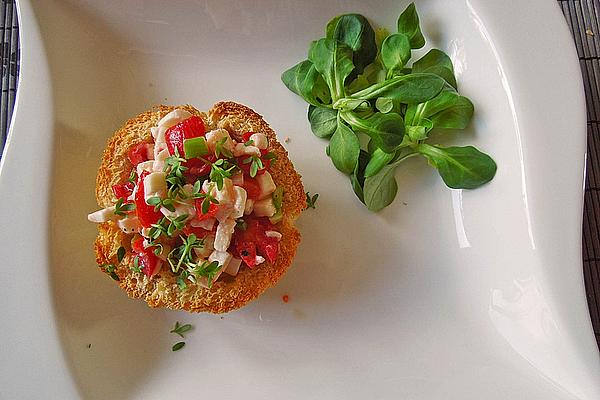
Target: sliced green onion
(278,198)
(195,147)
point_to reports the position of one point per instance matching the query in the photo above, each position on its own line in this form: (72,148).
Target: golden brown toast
(228,293)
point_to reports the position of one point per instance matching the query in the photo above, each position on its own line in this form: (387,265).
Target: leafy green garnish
(122,208)
(311,201)
(175,169)
(255,165)
(360,82)
(178,346)
(180,329)
(136,265)
(205,269)
(110,270)
(121,253)
(132,176)
(220,170)
(183,255)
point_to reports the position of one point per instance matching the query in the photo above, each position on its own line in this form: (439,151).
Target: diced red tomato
(137,245)
(145,213)
(252,187)
(123,190)
(253,241)
(212,210)
(268,247)
(196,168)
(138,153)
(247,252)
(246,136)
(149,262)
(186,129)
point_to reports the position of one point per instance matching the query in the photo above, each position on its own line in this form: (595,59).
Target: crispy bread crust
(228,293)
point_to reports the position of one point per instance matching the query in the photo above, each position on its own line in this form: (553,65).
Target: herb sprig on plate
(361,83)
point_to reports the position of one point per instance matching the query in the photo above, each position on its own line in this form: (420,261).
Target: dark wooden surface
(9,29)
(583,19)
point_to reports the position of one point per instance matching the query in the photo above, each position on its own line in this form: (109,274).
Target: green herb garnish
(132,176)
(121,253)
(181,329)
(110,270)
(175,170)
(122,208)
(220,170)
(178,346)
(136,265)
(183,255)
(255,164)
(359,82)
(311,201)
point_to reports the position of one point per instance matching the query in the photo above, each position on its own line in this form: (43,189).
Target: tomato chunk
(212,210)
(246,136)
(252,187)
(138,153)
(254,240)
(247,252)
(149,262)
(123,190)
(196,168)
(268,247)
(186,129)
(145,212)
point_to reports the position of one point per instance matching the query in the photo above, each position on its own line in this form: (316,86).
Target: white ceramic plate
(445,294)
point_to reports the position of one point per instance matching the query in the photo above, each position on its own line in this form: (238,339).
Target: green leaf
(181,329)
(395,52)
(384,104)
(356,32)
(304,80)
(386,130)
(372,74)
(413,88)
(436,62)
(416,133)
(408,24)
(378,160)
(457,115)
(178,346)
(121,253)
(460,167)
(311,201)
(323,121)
(380,189)
(344,148)
(333,60)
(357,178)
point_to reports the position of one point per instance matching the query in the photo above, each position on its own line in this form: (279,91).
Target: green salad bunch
(361,82)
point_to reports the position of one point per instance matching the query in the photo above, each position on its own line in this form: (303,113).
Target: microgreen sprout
(311,201)
(256,164)
(122,208)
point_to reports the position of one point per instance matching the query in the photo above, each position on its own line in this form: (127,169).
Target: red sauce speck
(285,298)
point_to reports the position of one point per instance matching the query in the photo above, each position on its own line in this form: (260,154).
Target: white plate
(446,294)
